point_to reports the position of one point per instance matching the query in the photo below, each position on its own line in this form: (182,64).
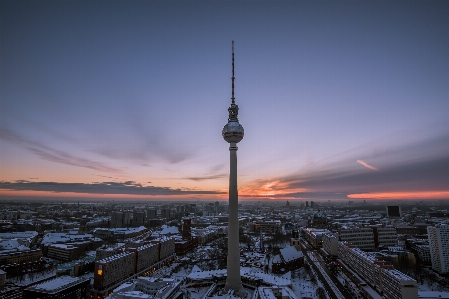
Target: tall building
(139,218)
(233,133)
(393,211)
(117,219)
(439,247)
(166,213)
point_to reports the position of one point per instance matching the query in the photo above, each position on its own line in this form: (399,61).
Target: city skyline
(341,100)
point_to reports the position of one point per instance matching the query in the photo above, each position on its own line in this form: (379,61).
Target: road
(332,285)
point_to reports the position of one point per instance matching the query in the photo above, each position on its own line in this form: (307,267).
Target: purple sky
(129,97)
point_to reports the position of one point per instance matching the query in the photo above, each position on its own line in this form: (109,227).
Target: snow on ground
(303,285)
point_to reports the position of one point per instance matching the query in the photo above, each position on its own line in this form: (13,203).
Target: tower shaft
(233,279)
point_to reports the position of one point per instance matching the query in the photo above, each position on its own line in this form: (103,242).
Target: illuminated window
(100,272)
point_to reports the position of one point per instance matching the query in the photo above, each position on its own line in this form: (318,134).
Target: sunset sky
(340,100)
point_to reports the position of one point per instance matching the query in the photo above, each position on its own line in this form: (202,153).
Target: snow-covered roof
(290,253)
(170,230)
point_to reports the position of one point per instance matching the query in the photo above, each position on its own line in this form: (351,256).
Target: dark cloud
(128,187)
(206,177)
(421,166)
(53,155)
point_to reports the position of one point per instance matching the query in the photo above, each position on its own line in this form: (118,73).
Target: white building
(439,247)
(330,244)
(392,283)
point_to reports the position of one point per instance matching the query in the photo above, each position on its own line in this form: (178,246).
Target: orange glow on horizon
(43,194)
(402,195)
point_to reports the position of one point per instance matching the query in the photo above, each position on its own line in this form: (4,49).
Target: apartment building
(20,257)
(117,219)
(385,236)
(63,252)
(391,283)
(266,227)
(60,287)
(147,255)
(439,247)
(314,236)
(113,269)
(166,248)
(363,238)
(104,252)
(330,244)
(423,253)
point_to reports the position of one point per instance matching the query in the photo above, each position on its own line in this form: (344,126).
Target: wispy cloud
(206,177)
(128,187)
(54,155)
(422,166)
(367,165)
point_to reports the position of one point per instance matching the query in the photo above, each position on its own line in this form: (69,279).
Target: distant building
(117,219)
(266,227)
(139,218)
(166,213)
(151,213)
(394,211)
(439,247)
(319,219)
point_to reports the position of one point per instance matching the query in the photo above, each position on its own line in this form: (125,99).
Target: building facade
(391,283)
(439,247)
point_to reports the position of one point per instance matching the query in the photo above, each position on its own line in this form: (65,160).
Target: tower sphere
(233,132)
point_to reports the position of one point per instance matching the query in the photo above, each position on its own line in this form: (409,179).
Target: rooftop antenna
(233,98)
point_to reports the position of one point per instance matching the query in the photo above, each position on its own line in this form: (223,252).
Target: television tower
(233,133)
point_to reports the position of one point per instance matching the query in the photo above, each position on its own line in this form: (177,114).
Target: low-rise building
(63,252)
(60,287)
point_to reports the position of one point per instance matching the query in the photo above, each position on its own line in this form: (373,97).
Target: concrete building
(314,236)
(385,236)
(113,269)
(117,219)
(60,287)
(330,244)
(363,238)
(266,227)
(63,252)
(233,133)
(391,283)
(166,213)
(139,218)
(149,288)
(439,247)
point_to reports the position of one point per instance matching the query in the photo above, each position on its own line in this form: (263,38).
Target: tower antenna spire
(233,98)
